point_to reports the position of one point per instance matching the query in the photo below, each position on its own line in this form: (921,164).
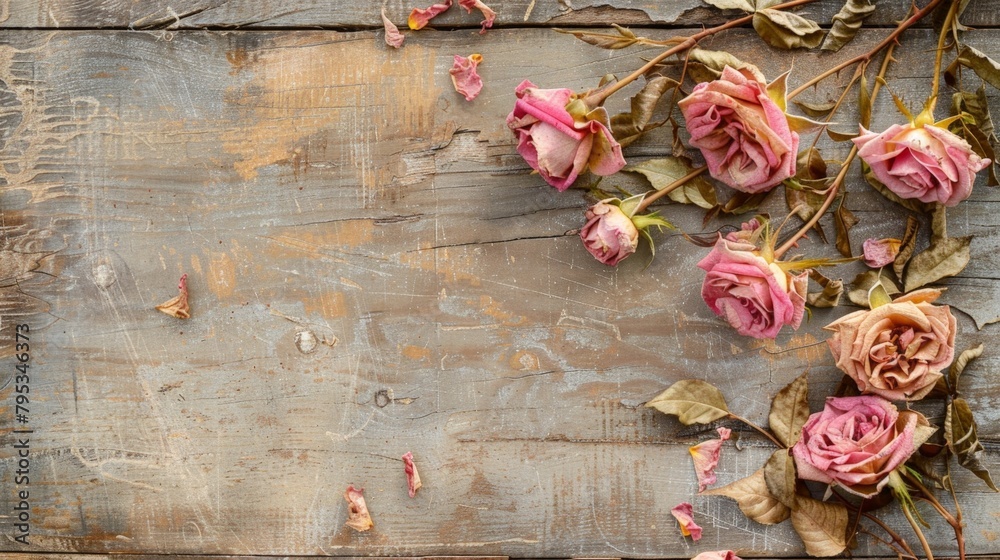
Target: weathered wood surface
(318,182)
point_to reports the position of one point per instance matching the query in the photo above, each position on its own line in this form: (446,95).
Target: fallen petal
(358,517)
(464,76)
(412,476)
(684,513)
(393,37)
(717,555)
(489,14)
(706,458)
(420,17)
(178,306)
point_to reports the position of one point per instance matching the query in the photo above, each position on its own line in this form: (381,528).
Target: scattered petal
(393,37)
(706,457)
(684,513)
(178,306)
(717,555)
(358,517)
(412,476)
(464,76)
(420,17)
(489,14)
(881,252)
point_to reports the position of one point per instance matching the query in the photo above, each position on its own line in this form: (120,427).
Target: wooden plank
(315,182)
(193,14)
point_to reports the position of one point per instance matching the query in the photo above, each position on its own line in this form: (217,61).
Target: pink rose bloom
(609,234)
(880,252)
(896,350)
(742,133)
(855,442)
(927,163)
(554,143)
(755,296)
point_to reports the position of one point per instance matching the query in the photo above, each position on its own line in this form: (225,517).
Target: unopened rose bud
(609,234)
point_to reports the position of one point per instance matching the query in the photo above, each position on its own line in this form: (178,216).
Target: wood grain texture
(316,184)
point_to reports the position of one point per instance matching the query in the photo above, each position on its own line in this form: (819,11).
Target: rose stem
(601,94)
(839,180)
(766,433)
(945,27)
(667,189)
(929,498)
(916,528)
(895,536)
(868,55)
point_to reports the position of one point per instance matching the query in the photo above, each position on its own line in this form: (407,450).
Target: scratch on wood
(589,323)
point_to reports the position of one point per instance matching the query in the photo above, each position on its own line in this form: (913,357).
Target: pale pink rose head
(742,133)
(855,442)
(880,252)
(927,163)
(609,234)
(897,350)
(556,145)
(755,296)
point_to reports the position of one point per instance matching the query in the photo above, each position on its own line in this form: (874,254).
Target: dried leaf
(779,475)
(822,526)
(785,30)
(843,221)
(907,244)
(960,434)
(847,23)
(815,109)
(789,411)
(613,41)
(981,142)
(805,203)
(684,514)
(393,37)
(358,517)
(838,136)
(956,369)
(810,165)
(710,64)
(864,102)
(628,127)
(741,202)
(663,172)
(984,66)
(744,5)
(878,296)
(705,456)
(977,105)
(832,290)
(178,306)
(863,283)
(412,476)
(753,499)
(945,257)
(692,401)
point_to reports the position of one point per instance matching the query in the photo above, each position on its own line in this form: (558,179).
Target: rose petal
(684,513)
(420,17)
(178,306)
(412,476)
(358,517)
(489,14)
(706,458)
(393,37)
(880,252)
(465,77)
(717,555)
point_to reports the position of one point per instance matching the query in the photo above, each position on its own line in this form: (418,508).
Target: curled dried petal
(706,458)
(717,555)
(489,14)
(393,37)
(684,513)
(464,76)
(420,17)
(178,306)
(358,517)
(880,252)
(412,476)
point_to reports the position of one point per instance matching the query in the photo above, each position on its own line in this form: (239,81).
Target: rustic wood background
(313,182)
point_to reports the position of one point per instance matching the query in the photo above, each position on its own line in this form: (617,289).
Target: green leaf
(843,221)
(984,66)
(960,435)
(779,475)
(822,526)
(692,401)
(863,283)
(753,499)
(711,64)
(744,5)
(785,30)
(663,172)
(945,257)
(956,369)
(906,246)
(789,412)
(832,290)
(620,40)
(628,127)
(847,23)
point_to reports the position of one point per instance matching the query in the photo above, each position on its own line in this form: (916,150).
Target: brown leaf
(945,257)
(785,30)
(779,475)
(981,141)
(613,41)
(663,172)
(358,517)
(960,434)
(822,526)
(864,102)
(815,109)
(741,202)
(692,401)
(412,476)
(838,136)
(863,283)
(977,105)
(843,221)
(984,66)
(906,246)
(805,203)
(178,306)
(956,369)
(753,499)
(745,5)
(628,127)
(847,23)
(711,63)
(829,296)
(789,411)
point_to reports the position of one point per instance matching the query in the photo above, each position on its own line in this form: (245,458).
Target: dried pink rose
(560,145)
(489,14)
(742,133)
(393,37)
(178,306)
(855,442)
(420,17)
(717,555)
(927,163)
(609,234)
(880,252)
(897,350)
(465,77)
(706,458)
(358,517)
(412,476)
(756,296)
(684,514)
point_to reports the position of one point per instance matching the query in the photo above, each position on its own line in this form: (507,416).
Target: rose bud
(923,162)
(560,137)
(609,233)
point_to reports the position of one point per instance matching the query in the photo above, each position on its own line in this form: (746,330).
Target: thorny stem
(597,97)
(667,189)
(916,529)
(896,537)
(956,524)
(945,27)
(766,433)
(903,26)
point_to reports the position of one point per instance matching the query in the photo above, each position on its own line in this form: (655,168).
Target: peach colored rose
(742,133)
(896,350)
(927,163)
(609,233)
(855,442)
(557,144)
